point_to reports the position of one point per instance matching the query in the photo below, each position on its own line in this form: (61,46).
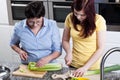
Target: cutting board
(24,71)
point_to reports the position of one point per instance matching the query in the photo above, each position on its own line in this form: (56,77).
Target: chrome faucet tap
(104,59)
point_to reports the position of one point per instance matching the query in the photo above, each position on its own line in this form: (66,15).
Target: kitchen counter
(13,66)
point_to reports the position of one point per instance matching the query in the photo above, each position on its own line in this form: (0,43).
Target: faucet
(104,59)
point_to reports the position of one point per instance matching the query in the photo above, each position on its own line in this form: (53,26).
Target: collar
(45,22)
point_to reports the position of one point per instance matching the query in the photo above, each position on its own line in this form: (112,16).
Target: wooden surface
(23,71)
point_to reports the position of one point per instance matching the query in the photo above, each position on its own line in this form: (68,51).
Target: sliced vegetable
(46,67)
(22,70)
(106,70)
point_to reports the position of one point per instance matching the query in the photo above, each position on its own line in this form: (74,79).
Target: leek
(106,70)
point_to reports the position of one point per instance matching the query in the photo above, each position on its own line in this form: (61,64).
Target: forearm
(16,48)
(100,47)
(94,58)
(53,56)
(66,47)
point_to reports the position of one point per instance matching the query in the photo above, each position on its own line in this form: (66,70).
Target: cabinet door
(4,12)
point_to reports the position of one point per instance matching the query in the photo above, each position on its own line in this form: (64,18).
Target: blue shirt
(37,46)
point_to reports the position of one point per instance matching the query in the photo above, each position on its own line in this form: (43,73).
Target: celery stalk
(46,67)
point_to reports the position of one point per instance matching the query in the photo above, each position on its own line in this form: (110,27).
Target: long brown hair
(88,25)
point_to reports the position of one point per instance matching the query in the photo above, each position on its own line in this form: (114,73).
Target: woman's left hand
(43,61)
(79,72)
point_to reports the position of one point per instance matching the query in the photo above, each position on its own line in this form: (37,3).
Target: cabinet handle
(21,5)
(55,6)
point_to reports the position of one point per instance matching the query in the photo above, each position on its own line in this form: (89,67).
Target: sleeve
(56,41)
(100,23)
(68,20)
(15,38)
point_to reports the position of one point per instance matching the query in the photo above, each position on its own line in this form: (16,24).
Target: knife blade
(69,71)
(16,68)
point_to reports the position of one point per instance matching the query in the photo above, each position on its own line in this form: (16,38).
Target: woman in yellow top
(87,30)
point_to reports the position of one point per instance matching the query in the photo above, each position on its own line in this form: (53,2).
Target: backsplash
(112,40)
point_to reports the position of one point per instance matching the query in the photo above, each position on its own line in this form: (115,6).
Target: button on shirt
(37,46)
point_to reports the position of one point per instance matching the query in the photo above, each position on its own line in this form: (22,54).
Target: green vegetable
(74,78)
(22,70)
(47,67)
(106,70)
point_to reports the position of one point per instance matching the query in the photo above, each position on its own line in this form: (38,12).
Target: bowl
(79,78)
(4,73)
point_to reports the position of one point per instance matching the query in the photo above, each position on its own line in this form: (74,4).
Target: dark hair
(88,25)
(35,9)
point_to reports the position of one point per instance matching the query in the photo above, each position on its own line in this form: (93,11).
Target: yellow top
(84,48)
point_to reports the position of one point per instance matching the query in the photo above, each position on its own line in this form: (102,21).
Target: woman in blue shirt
(36,38)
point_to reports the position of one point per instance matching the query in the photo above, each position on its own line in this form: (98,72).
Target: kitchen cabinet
(4,12)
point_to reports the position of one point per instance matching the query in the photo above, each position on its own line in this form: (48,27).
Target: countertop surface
(64,70)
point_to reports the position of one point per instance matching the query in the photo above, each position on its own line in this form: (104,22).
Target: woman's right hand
(68,59)
(23,55)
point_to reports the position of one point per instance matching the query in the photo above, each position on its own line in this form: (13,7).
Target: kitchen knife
(16,68)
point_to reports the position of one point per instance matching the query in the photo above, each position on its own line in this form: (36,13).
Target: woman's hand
(68,59)
(79,72)
(23,55)
(43,61)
